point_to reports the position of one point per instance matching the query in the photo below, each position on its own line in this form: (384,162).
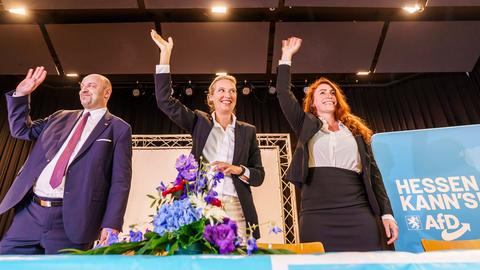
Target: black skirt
(336,212)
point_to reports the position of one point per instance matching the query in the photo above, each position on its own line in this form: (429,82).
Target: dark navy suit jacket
(97,180)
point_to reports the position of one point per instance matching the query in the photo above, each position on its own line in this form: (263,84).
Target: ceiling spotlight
(219,9)
(72,74)
(418,7)
(363,73)
(18,11)
(221,73)
(136,92)
(189,89)
(412,9)
(272,90)
(247,88)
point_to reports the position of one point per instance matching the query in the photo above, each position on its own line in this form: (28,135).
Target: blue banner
(432,177)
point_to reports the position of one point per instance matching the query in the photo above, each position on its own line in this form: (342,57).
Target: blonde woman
(218,136)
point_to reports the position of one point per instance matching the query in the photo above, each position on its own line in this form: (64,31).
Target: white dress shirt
(334,149)
(42,187)
(220,146)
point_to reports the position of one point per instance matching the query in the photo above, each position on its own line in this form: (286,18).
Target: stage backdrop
(432,177)
(152,165)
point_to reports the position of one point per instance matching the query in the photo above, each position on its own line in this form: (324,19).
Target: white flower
(210,212)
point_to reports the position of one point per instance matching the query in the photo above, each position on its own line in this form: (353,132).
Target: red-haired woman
(343,197)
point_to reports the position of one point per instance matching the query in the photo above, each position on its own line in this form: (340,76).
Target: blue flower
(136,236)
(172,216)
(211,195)
(251,245)
(200,184)
(275,230)
(217,177)
(112,237)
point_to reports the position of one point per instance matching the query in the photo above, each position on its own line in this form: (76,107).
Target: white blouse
(334,149)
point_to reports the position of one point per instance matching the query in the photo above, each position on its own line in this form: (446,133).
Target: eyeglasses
(93,86)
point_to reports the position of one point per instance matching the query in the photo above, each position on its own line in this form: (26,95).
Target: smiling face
(95,90)
(324,99)
(222,96)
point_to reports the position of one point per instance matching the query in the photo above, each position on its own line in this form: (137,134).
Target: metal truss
(281,142)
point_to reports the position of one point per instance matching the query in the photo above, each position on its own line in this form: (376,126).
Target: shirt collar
(325,124)
(231,125)
(97,113)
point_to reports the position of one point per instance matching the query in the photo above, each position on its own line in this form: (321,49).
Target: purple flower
(251,245)
(200,184)
(136,236)
(178,180)
(187,167)
(222,236)
(232,224)
(162,187)
(275,230)
(112,237)
(217,177)
(211,195)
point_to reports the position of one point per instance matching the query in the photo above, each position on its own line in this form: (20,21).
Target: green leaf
(153,203)
(173,248)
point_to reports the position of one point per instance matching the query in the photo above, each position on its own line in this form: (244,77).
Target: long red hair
(343,112)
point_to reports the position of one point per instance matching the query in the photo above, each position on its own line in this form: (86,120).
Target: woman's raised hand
(289,47)
(164,46)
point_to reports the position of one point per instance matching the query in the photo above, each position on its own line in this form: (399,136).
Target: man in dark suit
(74,186)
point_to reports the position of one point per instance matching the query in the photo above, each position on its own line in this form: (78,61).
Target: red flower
(174,189)
(216,202)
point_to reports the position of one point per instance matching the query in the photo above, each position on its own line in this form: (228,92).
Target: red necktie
(62,162)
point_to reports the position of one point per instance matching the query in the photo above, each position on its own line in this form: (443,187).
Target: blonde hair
(211,88)
(342,112)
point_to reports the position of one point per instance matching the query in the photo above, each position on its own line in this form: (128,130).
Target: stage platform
(455,260)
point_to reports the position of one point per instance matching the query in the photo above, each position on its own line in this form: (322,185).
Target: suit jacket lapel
(203,133)
(363,154)
(59,137)
(239,142)
(314,125)
(99,128)
(70,123)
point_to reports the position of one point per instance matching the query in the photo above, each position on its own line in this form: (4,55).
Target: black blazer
(199,124)
(305,125)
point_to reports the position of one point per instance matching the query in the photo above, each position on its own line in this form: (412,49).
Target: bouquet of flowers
(189,219)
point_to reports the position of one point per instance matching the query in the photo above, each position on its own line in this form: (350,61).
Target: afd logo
(414,223)
(450,226)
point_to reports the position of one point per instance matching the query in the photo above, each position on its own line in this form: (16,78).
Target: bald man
(74,186)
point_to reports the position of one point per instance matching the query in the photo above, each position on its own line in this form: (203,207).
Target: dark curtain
(423,101)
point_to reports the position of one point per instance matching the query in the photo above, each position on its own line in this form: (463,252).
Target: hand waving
(31,81)
(290,47)
(164,46)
